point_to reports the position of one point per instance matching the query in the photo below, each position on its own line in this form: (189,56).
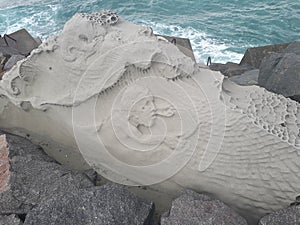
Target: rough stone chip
(192,208)
(109,204)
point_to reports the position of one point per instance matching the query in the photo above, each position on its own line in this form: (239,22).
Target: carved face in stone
(139,103)
(143,112)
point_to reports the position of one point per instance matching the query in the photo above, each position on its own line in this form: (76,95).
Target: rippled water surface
(222,29)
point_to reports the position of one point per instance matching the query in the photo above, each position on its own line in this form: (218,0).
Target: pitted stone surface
(103,18)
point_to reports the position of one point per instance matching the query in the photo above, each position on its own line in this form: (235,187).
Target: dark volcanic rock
(10,220)
(32,176)
(254,56)
(280,73)
(109,204)
(192,208)
(288,216)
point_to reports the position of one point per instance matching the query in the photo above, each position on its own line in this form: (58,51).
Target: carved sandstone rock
(118,99)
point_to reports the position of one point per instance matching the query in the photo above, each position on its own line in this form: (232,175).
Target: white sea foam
(203,46)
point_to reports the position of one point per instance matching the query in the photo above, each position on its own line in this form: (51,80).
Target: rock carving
(110,95)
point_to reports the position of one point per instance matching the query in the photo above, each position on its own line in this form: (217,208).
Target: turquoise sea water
(222,29)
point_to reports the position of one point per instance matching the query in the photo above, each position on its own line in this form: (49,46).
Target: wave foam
(203,46)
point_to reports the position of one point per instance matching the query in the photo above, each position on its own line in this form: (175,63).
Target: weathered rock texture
(114,97)
(106,205)
(197,209)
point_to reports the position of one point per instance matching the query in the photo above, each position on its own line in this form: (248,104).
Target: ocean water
(222,29)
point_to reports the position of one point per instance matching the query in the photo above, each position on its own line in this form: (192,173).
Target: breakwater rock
(274,67)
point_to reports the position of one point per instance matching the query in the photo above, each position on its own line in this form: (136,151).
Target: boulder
(29,175)
(12,61)
(109,204)
(22,41)
(10,220)
(18,43)
(254,56)
(248,78)
(192,208)
(230,69)
(38,40)
(287,216)
(8,51)
(280,73)
(293,47)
